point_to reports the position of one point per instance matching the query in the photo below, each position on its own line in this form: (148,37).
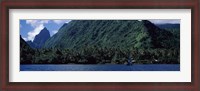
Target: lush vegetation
(111,33)
(106,41)
(94,55)
(26,52)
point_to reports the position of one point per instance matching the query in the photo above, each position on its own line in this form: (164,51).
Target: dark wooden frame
(99,4)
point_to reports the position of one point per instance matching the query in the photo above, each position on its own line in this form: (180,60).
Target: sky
(30,28)
(164,21)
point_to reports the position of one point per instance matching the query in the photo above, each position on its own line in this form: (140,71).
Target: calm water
(105,67)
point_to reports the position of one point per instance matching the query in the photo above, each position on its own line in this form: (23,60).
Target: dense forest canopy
(107,41)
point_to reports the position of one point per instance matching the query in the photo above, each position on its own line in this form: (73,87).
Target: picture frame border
(103,4)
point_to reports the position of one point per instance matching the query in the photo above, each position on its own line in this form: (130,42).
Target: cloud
(32,34)
(61,21)
(25,39)
(54,32)
(164,21)
(38,25)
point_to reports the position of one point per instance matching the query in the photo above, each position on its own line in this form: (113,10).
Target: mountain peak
(44,28)
(146,22)
(40,38)
(150,25)
(44,31)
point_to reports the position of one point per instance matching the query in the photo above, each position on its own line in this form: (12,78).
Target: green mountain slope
(106,42)
(123,34)
(173,28)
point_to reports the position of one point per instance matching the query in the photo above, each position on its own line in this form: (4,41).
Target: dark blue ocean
(104,67)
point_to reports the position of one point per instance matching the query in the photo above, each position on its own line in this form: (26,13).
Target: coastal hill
(105,41)
(112,33)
